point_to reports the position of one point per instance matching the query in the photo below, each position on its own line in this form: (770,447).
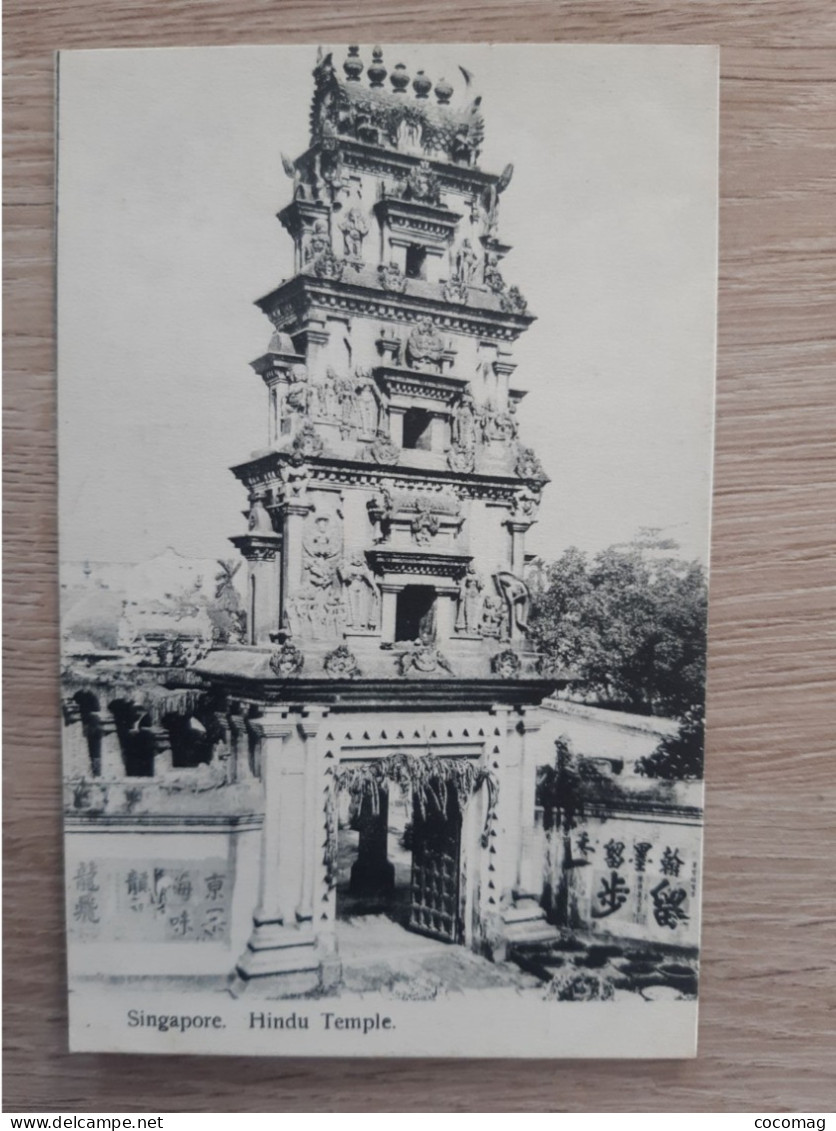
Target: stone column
(517,531)
(294,520)
(439,434)
(311,847)
(530,868)
(445,606)
(239,743)
(281,949)
(388,611)
(372,873)
(262,554)
(396,415)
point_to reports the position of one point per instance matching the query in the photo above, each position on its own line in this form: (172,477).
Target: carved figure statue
(362,592)
(424,346)
(379,507)
(514,592)
(368,411)
(493,617)
(425,524)
(464,423)
(299,392)
(466,261)
(355,227)
(317,242)
(329,405)
(469,608)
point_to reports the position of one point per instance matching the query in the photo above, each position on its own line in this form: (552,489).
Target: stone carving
(384,450)
(424,346)
(345,396)
(287,661)
(489,200)
(306,443)
(455,291)
(466,262)
(492,276)
(422,656)
(379,508)
(526,505)
(422,185)
(463,423)
(507,664)
(425,524)
(392,278)
(393,119)
(328,266)
(528,466)
(493,618)
(368,404)
(259,521)
(355,228)
(512,301)
(362,593)
(341,664)
(514,592)
(496,424)
(300,392)
(315,242)
(316,610)
(461,459)
(328,405)
(469,609)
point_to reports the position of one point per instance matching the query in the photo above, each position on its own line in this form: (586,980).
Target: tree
(631,623)
(678,756)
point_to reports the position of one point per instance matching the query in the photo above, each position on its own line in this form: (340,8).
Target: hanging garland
(426,777)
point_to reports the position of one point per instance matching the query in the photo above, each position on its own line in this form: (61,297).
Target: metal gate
(436,852)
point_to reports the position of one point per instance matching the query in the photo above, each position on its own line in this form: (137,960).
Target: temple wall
(146,900)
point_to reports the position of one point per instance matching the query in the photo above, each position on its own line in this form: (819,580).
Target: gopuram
(387,640)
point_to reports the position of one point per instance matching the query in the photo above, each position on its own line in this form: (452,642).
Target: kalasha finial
(443,91)
(399,78)
(422,85)
(353,66)
(377,72)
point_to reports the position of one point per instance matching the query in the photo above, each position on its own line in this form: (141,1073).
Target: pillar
(281,949)
(262,554)
(388,612)
(396,415)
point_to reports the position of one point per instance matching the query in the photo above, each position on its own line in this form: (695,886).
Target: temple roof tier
(484,314)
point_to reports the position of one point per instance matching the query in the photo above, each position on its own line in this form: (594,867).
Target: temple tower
(387,608)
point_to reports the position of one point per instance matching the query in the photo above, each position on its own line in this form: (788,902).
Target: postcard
(386,385)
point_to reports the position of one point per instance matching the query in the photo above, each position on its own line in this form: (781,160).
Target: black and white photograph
(386,394)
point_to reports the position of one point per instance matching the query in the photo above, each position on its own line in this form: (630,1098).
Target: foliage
(579,985)
(564,789)
(630,622)
(425,777)
(679,755)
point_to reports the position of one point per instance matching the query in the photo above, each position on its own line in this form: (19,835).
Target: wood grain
(767,1031)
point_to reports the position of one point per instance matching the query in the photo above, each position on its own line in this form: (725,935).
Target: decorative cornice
(396,380)
(419,561)
(265,471)
(289,306)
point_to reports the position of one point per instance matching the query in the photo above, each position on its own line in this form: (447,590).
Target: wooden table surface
(767,1006)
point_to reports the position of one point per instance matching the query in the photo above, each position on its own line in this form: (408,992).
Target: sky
(170,178)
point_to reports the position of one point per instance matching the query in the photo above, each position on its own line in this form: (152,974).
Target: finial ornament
(377,72)
(399,78)
(353,66)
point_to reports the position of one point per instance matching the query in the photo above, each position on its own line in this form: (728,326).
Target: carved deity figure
(379,507)
(466,262)
(424,346)
(514,592)
(355,228)
(317,242)
(492,275)
(469,610)
(344,389)
(299,392)
(368,411)
(493,617)
(464,423)
(362,592)
(329,405)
